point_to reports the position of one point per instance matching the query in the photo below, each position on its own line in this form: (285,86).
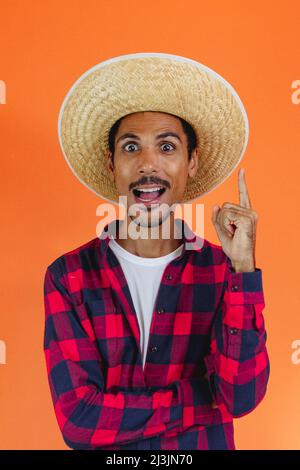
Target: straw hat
(152,82)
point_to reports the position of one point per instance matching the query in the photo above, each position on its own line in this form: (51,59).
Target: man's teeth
(149,190)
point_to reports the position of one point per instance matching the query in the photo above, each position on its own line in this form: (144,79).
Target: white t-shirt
(143,276)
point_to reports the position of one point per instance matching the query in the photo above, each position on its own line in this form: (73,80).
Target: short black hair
(187,129)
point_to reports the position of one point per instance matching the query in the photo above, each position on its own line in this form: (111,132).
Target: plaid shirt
(207,344)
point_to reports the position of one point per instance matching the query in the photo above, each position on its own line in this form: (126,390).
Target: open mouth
(148,196)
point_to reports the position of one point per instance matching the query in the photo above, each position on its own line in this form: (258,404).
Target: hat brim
(152,82)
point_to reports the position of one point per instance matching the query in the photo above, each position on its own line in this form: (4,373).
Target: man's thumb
(215,213)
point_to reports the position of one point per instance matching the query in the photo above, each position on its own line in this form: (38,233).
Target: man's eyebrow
(164,134)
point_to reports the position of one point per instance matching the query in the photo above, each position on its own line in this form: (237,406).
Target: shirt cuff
(242,289)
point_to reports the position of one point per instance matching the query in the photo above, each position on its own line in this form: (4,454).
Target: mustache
(149,180)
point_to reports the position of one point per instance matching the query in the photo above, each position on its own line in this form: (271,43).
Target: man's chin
(147,220)
(150,217)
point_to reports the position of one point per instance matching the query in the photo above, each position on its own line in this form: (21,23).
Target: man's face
(147,161)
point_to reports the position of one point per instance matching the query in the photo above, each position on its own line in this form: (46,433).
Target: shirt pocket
(107,321)
(102,306)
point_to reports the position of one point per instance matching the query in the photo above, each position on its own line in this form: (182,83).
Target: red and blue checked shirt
(207,344)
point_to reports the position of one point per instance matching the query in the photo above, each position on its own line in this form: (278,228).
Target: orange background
(45,211)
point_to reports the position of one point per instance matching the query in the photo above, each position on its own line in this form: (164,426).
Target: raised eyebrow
(168,134)
(125,136)
(133,136)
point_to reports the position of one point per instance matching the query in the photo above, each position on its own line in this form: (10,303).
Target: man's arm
(87,414)
(238,365)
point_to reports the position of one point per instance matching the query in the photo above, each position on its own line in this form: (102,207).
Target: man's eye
(168,144)
(132,144)
(129,144)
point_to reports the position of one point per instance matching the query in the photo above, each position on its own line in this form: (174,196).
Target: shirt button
(233,331)
(161,310)
(154,348)
(169,276)
(234,288)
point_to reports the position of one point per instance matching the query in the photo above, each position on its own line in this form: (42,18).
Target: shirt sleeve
(238,364)
(88,415)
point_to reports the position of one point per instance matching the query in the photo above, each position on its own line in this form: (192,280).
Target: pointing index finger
(243,191)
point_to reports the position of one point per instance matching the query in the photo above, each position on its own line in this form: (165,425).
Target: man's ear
(194,163)
(110,166)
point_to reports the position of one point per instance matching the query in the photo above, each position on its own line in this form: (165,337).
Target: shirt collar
(192,242)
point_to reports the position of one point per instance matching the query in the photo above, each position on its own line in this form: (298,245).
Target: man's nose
(148,160)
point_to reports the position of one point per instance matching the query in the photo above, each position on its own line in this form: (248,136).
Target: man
(155,342)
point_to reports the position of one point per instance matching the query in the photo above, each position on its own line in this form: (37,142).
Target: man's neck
(166,239)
